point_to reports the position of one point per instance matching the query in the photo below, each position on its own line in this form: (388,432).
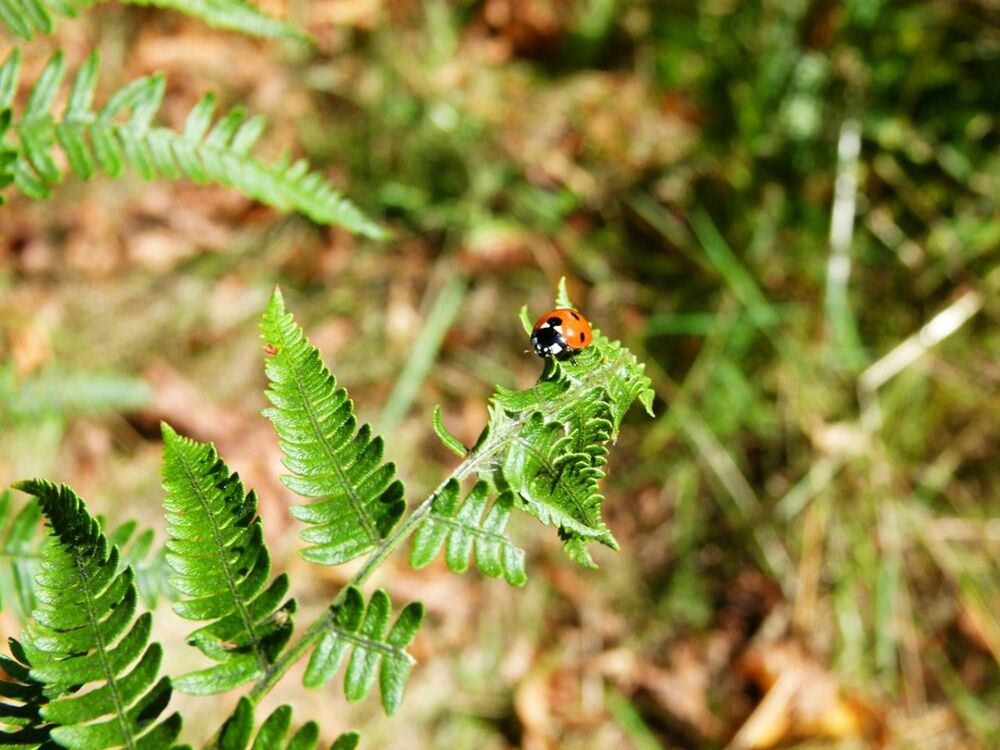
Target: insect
(561,333)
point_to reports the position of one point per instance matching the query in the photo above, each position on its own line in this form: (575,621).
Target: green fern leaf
(557,436)
(85,631)
(354,628)
(233,15)
(10,71)
(548,444)
(25,18)
(221,565)
(465,527)
(18,549)
(20,711)
(558,484)
(8,88)
(238,730)
(123,134)
(554,483)
(627,382)
(562,296)
(329,458)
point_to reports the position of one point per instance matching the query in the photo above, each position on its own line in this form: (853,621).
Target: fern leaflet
(25,18)
(555,483)
(122,133)
(238,731)
(329,458)
(354,628)
(18,552)
(548,444)
(346,741)
(450,442)
(78,637)
(221,565)
(464,527)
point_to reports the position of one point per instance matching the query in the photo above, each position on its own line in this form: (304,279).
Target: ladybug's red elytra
(561,333)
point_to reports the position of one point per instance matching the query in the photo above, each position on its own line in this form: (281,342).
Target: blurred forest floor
(788,209)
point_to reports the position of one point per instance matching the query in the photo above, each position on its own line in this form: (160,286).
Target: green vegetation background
(809,528)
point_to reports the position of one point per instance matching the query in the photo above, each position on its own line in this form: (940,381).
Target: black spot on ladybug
(554,321)
(583,336)
(575,316)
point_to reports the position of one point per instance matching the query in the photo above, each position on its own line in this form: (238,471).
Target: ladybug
(561,333)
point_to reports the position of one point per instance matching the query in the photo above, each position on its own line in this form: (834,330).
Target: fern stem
(294,652)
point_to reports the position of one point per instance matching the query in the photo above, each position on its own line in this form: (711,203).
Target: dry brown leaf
(801,700)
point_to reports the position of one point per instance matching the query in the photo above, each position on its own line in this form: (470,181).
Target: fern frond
(548,443)
(542,450)
(555,483)
(238,731)
(25,18)
(56,391)
(221,565)
(554,466)
(374,653)
(464,527)
(20,545)
(232,15)
(78,637)
(122,133)
(359,500)
(18,550)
